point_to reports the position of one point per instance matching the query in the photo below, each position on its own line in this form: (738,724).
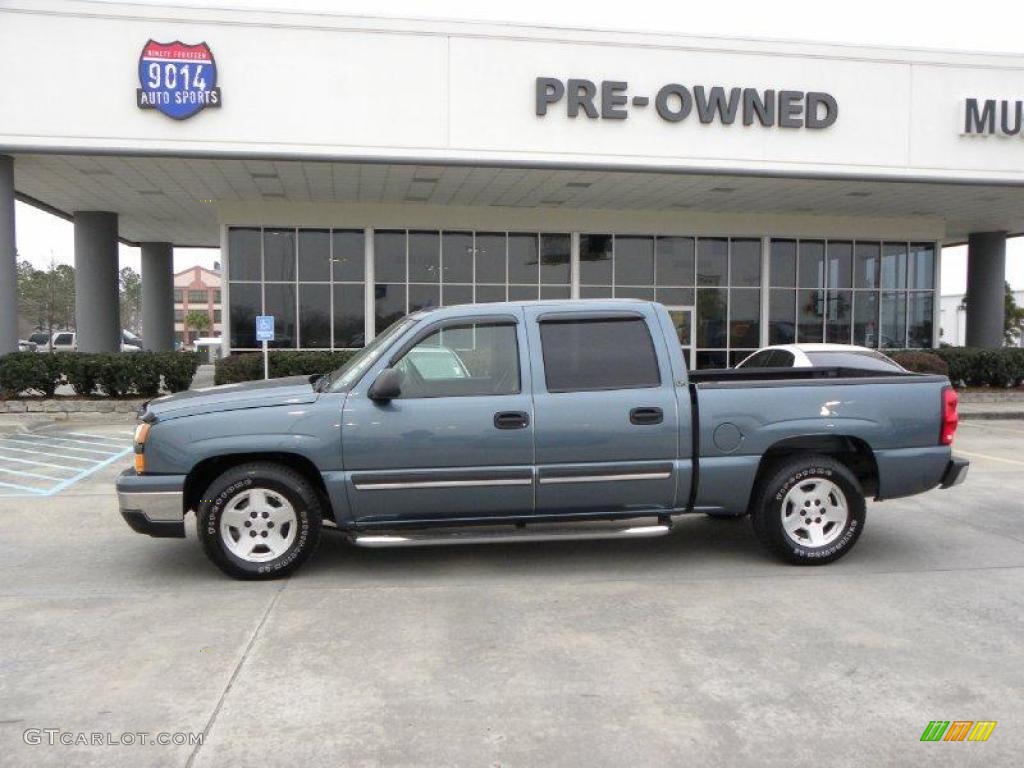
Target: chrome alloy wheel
(258,525)
(814,512)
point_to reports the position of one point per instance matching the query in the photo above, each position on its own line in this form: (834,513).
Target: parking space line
(24,473)
(6,447)
(990,458)
(36,491)
(85,473)
(95,448)
(118,439)
(62,447)
(992,427)
(38,463)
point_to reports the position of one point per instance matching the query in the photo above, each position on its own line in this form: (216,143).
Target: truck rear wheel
(259,521)
(809,511)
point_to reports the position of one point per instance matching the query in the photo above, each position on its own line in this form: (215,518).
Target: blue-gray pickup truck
(533,421)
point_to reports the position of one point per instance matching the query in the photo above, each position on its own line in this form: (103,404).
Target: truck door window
(598,354)
(462,361)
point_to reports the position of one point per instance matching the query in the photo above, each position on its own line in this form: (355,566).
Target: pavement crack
(234,676)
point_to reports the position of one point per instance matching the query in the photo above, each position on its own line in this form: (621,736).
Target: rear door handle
(646,416)
(511,419)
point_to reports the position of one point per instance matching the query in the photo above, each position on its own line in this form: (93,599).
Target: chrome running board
(481,535)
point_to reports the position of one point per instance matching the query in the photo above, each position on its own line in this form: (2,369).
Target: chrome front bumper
(153,505)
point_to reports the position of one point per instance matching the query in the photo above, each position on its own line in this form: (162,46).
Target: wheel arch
(203,473)
(852,452)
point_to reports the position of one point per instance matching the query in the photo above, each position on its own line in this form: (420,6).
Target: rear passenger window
(587,355)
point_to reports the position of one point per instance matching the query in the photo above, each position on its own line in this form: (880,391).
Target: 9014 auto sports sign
(177,79)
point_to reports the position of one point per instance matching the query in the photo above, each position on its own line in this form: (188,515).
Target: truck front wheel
(809,511)
(259,521)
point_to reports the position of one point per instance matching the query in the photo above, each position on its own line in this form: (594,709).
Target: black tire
(768,514)
(279,480)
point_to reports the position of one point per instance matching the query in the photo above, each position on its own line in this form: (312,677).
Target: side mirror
(387,386)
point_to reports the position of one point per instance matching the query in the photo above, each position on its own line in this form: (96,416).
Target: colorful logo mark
(177,79)
(958,730)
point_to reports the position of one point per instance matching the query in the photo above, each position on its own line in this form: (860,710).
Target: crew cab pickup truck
(533,421)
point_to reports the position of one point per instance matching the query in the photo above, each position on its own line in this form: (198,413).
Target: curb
(993,416)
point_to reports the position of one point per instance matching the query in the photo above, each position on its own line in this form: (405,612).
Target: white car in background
(67,341)
(821,356)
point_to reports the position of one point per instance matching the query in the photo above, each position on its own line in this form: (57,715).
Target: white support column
(369,294)
(8,260)
(766,275)
(225,293)
(574,265)
(937,298)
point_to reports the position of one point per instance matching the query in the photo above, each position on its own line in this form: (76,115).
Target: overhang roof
(176,199)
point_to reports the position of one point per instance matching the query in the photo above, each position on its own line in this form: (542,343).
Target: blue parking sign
(264,327)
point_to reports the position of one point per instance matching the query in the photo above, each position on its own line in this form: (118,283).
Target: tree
(46,298)
(1014,318)
(131,299)
(197,320)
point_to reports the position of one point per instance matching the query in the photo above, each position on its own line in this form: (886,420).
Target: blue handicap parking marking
(44,463)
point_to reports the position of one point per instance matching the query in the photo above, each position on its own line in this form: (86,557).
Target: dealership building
(355,169)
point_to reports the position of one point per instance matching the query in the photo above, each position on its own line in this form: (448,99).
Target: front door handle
(646,416)
(511,419)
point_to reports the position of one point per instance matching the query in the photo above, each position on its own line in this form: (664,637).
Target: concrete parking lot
(697,649)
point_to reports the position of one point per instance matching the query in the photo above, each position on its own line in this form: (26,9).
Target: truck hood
(231,397)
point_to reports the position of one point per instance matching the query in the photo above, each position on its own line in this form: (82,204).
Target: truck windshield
(349,373)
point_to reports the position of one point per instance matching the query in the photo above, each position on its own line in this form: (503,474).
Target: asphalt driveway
(696,649)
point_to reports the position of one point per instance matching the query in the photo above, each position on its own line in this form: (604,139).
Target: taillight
(950,418)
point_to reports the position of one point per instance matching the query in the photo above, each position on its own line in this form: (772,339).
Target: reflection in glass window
(634,260)
(424,257)
(246,303)
(423,297)
(894,265)
(389,303)
(491,258)
(811,310)
(744,317)
(867,259)
(464,361)
(745,262)
(555,259)
(244,249)
(486,294)
(674,257)
(812,264)
(712,317)
(315,315)
(782,315)
(782,267)
(389,258)
(348,255)
(894,323)
(279,255)
(865,318)
(279,301)
(922,266)
(457,258)
(523,259)
(712,261)
(314,255)
(840,266)
(921,320)
(838,317)
(456,294)
(595,259)
(349,316)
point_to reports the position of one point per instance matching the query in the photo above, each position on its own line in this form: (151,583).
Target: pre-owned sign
(610,100)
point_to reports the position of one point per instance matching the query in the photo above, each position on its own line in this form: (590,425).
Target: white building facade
(353,170)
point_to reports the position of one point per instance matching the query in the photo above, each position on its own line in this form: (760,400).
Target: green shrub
(920,361)
(248,366)
(110,374)
(24,372)
(178,369)
(973,367)
(81,370)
